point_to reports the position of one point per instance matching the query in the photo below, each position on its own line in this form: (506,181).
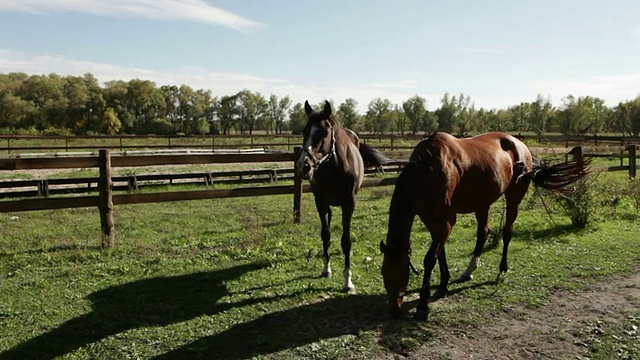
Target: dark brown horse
(447,176)
(334,160)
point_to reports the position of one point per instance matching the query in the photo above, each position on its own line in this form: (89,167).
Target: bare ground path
(556,330)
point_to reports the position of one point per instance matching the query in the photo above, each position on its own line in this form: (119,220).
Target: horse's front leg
(444,275)
(440,229)
(482,233)
(422,311)
(325,220)
(347,213)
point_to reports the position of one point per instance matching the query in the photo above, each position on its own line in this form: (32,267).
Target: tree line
(64,105)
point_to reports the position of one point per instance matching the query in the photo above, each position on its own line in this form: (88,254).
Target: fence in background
(106,199)
(12,144)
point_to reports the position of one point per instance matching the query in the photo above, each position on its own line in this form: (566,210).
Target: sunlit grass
(232,278)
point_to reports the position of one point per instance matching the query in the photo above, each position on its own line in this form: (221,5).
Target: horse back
(476,171)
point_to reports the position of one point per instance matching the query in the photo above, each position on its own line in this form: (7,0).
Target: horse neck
(402,212)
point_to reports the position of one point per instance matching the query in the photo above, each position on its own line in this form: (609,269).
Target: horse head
(319,142)
(395,274)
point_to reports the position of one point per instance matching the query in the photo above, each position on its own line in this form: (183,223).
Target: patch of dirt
(553,331)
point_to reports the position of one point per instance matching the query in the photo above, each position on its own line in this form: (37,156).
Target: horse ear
(307,108)
(327,108)
(383,247)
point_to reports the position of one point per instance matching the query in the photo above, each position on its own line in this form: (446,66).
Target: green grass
(231,278)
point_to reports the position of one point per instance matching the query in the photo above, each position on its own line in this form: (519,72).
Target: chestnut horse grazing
(447,176)
(334,160)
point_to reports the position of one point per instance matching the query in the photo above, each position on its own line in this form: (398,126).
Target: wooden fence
(106,199)
(21,143)
(134,183)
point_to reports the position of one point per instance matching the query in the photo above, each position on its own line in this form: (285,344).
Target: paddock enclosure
(235,277)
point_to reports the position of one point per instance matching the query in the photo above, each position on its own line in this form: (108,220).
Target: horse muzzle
(305,171)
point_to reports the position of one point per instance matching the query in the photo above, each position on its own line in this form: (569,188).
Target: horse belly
(334,188)
(477,193)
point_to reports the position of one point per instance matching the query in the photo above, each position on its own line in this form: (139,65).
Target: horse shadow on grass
(541,235)
(159,301)
(296,327)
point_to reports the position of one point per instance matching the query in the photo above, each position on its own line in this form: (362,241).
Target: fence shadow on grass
(299,326)
(157,301)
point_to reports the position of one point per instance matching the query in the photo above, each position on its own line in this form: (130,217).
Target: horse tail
(372,157)
(557,177)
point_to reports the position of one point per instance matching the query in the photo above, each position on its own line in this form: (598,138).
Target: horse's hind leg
(325,220)
(507,231)
(513,196)
(482,233)
(347,213)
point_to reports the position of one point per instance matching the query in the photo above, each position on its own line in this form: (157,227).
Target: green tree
(170,93)
(252,110)
(415,109)
(227,112)
(146,102)
(277,113)
(348,114)
(400,119)
(48,101)
(297,118)
(430,122)
(455,114)
(110,123)
(541,116)
(520,116)
(627,117)
(379,117)
(116,97)
(581,115)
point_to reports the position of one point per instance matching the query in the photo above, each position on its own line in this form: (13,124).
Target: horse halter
(317,162)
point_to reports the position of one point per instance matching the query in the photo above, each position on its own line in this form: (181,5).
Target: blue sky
(498,52)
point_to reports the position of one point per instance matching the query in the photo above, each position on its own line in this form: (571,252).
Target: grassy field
(232,278)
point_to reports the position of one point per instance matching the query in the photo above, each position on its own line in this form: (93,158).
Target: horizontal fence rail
(133,183)
(106,200)
(12,144)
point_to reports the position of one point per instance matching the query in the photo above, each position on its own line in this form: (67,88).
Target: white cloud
(198,78)
(220,84)
(405,84)
(634,31)
(192,10)
(611,88)
(480,50)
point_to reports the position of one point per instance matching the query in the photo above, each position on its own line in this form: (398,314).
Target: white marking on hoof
(326,270)
(348,285)
(473,265)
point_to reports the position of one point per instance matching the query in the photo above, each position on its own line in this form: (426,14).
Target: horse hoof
(349,289)
(421,315)
(440,293)
(326,274)
(464,278)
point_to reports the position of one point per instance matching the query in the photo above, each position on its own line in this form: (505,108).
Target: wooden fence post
(105,204)
(632,161)
(297,188)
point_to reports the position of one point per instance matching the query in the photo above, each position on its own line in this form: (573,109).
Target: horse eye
(319,135)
